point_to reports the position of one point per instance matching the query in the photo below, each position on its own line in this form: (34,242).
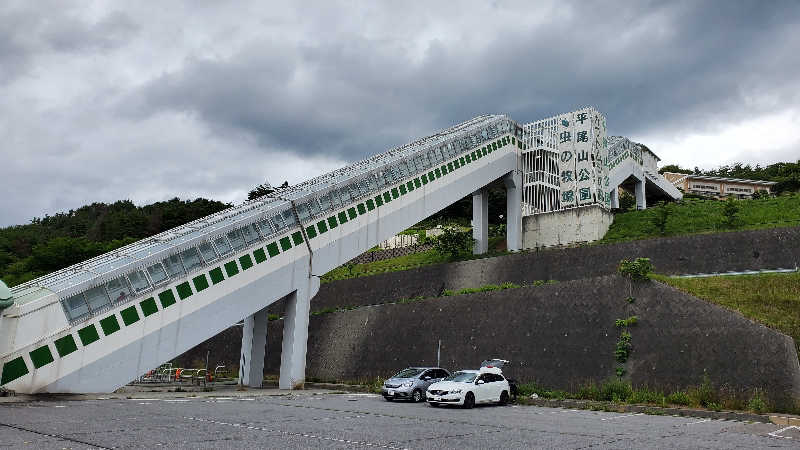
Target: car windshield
(408,373)
(462,377)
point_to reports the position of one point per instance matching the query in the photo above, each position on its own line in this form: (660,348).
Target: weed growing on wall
(623,348)
(637,270)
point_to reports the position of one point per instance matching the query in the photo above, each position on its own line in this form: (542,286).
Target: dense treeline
(786,174)
(54,242)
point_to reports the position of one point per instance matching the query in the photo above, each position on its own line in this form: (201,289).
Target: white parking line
(145,399)
(176,400)
(699,421)
(776,433)
(623,416)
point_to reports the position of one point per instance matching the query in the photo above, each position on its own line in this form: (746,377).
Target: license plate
(390,392)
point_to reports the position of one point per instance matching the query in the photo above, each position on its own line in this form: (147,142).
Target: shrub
(452,243)
(704,395)
(756,403)
(615,390)
(647,396)
(637,270)
(679,398)
(661,216)
(623,348)
(630,321)
(730,213)
(588,392)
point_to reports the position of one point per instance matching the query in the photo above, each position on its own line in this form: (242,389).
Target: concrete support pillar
(641,201)
(615,197)
(254,342)
(513,183)
(295,335)
(480,221)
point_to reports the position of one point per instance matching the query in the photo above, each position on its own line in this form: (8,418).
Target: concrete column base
(480,221)
(254,342)
(513,183)
(295,335)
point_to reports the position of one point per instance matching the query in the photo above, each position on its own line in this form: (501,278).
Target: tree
(730,213)
(264,189)
(674,168)
(661,216)
(626,201)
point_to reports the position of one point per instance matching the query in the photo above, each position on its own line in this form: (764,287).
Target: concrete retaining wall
(702,253)
(583,224)
(559,336)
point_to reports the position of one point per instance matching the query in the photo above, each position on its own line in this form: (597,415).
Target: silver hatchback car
(411,383)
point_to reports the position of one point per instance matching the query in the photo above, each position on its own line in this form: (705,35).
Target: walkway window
(119,290)
(222,245)
(336,201)
(191,259)
(207,251)
(236,239)
(313,207)
(277,220)
(289,218)
(157,273)
(363,186)
(380,178)
(139,281)
(325,202)
(97,298)
(76,307)
(344,195)
(174,266)
(303,213)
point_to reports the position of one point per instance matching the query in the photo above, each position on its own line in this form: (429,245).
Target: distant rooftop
(723,179)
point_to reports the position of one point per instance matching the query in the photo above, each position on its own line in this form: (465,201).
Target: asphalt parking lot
(327,420)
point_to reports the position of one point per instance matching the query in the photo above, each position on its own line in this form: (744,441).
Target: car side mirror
(479,382)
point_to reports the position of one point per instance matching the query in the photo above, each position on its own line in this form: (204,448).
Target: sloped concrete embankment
(560,336)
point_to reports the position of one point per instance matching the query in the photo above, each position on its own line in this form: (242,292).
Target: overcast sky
(103,100)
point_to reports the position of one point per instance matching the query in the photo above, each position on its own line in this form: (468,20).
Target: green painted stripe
(456,164)
(450,167)
(403,190)
(216,275)
(311,231)
(260,255)
(65,345)
(361,209)
(379,200)
(410,185)
(322,227)
(41,357)
(297,237)
(370,204)
(462,161)
(513,140)
(14,369)
(184,290)
(149,306)
(201,282)
(483,151)
(332,223)
(342,217)
(246,262)
(129,316)
(167,298)
(444,170)
(431,176)
(438,173)
(351,213)
(395,194)
(231,269)
(387,197)
(88,335)
(286,244)
(272,249)
(110,325)
(424,178)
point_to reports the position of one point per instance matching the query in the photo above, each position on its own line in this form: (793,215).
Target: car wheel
(469,400)
(388,399)
(417,396)
(433,404)
(504,398)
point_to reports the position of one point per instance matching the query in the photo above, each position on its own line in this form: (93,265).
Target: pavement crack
(56,436)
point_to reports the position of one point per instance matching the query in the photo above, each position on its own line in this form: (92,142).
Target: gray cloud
(314,87)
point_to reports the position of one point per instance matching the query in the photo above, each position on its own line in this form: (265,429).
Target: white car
(470,387)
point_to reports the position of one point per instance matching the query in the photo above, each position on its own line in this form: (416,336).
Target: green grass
(772,299)
(704,216)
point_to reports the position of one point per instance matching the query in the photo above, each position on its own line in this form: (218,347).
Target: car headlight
(455,391)
(407,384)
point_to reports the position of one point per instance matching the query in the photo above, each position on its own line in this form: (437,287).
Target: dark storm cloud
(679,66)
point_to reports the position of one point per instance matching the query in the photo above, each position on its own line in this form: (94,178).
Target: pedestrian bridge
(95,326)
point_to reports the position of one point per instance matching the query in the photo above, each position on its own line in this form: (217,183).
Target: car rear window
(408,373)
(463,377)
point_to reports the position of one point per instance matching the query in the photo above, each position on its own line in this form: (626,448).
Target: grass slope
(771,299)
(704,216)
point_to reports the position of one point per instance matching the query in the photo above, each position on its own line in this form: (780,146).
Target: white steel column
(254,342)
(615,197)
(295,335)
(480,221)
(513,182)
(641,201)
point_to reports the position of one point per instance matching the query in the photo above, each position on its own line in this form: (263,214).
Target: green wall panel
(216,275)
(129,315)
(167,299)
(88,335)
(246,261)
(231,268)
(65,345)
(110,325)
(149,306)
(41,356)
(184,290)
(14,369)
